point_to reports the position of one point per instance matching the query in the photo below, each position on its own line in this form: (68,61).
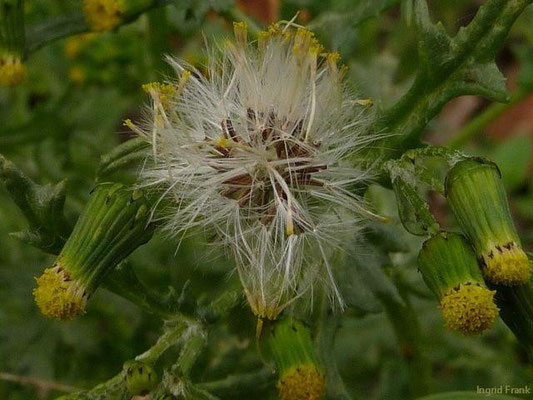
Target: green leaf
(513,158)
(352,14)
(39,35)
(42,205)
(451,67)
(409,176)
(465,396)
(413,210)
(364,283)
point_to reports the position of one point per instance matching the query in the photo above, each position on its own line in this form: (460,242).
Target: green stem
(432,89)
(124,282)
(406,326)
(191,350)
(234,386)
(516,310)
(174,331)
(327,326)
(476,125)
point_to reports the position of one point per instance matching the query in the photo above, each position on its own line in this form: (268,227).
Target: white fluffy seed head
(264,151)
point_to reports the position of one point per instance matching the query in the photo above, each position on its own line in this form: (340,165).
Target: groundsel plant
(266,151)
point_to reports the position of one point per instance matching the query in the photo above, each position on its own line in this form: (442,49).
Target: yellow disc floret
(12,71)
(103,15)
(469,308)
(507,265)
(162,92)
(304,382)
(58,296)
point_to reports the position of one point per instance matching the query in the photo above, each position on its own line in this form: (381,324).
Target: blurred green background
(71,112)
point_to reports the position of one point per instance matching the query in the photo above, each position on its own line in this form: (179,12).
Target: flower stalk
(516,310)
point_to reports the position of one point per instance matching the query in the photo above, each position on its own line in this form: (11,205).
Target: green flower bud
(477,198)
(12,41)
(113,224)
(140,377)
(288,343)
(450,269)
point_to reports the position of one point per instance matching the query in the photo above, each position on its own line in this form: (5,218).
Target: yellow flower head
(304,382)
(103,15)
(58,296)
(12,71)
(469,309)
(507,265)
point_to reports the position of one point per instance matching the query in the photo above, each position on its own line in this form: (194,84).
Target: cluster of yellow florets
(103,15)
(304,382)
(507,265)
(12,71)
(164,91)
(469,308)
(75,44)
(58,296)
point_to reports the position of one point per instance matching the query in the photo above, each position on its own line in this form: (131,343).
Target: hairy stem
(438,84)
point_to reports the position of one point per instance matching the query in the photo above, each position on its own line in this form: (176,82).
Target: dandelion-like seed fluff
(265,151)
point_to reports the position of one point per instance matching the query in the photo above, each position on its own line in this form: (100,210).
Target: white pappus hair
(263,150)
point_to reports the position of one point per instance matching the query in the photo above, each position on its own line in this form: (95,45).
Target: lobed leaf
(451,67)
(42,205)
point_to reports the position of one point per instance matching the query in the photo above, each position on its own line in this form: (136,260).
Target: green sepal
(446,261)
(288,344)
(123,156)
(114,223)
(478,200)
